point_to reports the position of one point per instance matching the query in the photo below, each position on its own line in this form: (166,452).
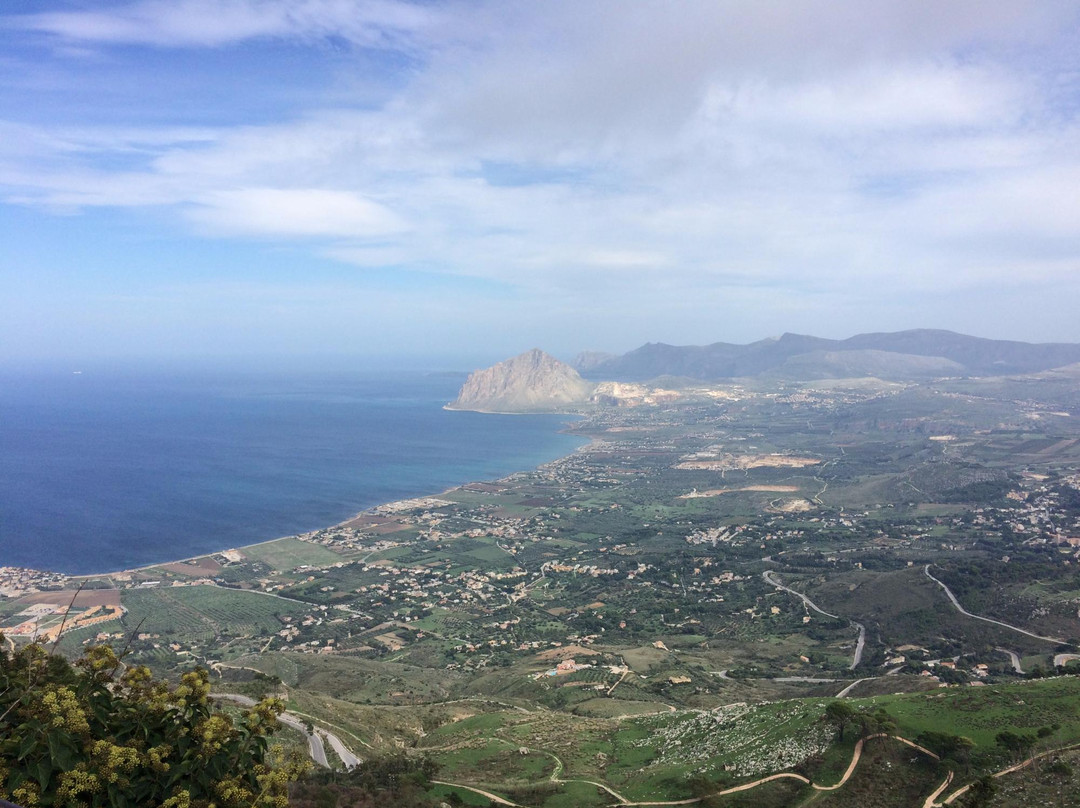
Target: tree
(840,715)
(79,735)
(1019,744)
(982,791)
(947,745)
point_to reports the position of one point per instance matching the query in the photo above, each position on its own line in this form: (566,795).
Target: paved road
(1013,657)
(965,612)
(350,760)
(315,743)
(768,576)
(316,749)
(1061,659)
(851,687)
(801,679)
(860,645)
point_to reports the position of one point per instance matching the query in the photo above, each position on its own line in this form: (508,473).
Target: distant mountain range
(537,382)
(902,355)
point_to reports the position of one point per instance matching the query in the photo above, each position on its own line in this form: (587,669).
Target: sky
(292,178)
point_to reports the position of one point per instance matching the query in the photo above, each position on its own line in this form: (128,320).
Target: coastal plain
(667,613)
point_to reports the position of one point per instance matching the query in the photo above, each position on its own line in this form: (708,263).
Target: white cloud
(301,212)
(893,100)
(213,23)
(844,150)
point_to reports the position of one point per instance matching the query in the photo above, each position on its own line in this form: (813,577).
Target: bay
(108,470)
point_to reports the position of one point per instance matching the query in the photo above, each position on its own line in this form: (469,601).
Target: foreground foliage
(88,735)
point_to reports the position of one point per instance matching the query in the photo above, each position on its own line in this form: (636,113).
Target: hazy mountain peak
(530,382)
(889,355)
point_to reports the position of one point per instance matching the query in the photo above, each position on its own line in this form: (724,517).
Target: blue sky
(214,178)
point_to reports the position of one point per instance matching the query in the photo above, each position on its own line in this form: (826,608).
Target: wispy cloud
(213,23)
(295,212)
(822,153)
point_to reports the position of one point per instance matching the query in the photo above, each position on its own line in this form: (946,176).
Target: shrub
(82,735)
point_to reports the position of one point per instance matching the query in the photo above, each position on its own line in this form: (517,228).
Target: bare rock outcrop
(531,382)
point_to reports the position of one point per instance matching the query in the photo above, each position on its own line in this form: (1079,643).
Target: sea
(111,469)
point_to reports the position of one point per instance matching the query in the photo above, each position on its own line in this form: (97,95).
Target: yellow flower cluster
(114,762)
(27,794)
(64,711)
(99,659)
(141,687)
(233,792)
(155,757)
(75,783)
(274,782)
(262,718)
(194,688)
(87,706)
(181,799)
(212,734)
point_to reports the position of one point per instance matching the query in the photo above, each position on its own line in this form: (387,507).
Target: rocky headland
(531,382)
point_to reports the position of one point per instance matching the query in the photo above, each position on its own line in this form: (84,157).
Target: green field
(287,554)
(980,713)
(201,613)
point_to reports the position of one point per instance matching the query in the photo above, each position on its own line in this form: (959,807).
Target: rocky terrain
(531,382)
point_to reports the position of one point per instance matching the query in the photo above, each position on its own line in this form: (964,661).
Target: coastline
(589,440)
(450,408)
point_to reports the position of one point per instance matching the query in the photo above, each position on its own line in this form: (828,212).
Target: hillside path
(791,776)
(495,798)
(1014,768)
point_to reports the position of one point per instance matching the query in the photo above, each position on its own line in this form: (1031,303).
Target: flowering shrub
(82,736)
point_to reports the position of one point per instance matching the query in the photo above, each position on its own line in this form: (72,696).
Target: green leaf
(62,750)
(43,772)
(28,743)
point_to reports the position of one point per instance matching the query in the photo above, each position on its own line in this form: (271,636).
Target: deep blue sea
(103,471)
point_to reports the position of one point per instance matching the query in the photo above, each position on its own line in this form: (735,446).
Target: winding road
(316,749)
(860,645)
(350,760)
(965,612)
(768,576)
(1014,658)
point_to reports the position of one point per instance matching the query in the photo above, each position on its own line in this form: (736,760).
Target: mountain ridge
(894,357)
